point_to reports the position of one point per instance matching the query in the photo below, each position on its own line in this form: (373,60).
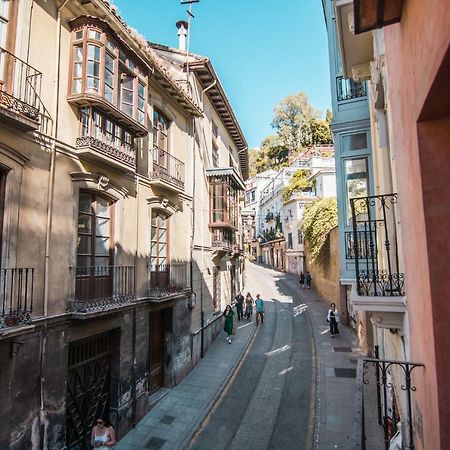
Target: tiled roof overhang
(206,75)
(230,172)
(103,10)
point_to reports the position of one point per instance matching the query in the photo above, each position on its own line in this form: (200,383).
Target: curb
(197,426)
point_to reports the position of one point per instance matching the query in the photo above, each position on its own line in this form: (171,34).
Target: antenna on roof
(190,16)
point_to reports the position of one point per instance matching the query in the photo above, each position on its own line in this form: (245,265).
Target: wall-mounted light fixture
(14,348)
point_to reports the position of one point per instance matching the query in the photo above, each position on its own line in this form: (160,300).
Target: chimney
(182,34)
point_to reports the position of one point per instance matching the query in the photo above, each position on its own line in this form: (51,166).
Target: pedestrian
(248,306)
(103,436)
(239,299)
(302,280)
(333,318)
(228,327)
(308,280)
(259,303)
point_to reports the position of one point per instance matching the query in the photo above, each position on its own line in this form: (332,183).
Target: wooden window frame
(124,141)
(162,152)
(158,214)
(223,203)
(7,67)
(92,236)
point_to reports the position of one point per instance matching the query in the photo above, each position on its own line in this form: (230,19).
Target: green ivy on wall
(319,219)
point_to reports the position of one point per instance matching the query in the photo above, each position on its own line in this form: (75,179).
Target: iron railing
(348,89)
(16,296)
(222,238)
(102,287)
(166,279)
(384,373)
(20,86)
(375,248)
(364,248)
(167,168)
(122,153)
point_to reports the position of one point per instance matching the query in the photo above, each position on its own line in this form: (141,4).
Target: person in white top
(333,318)
(103,436)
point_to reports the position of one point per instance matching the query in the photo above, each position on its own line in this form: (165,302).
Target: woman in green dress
(228,314)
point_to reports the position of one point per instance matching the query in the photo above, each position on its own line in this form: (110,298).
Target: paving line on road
(314,422)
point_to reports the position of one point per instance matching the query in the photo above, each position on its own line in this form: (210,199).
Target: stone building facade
(104,296)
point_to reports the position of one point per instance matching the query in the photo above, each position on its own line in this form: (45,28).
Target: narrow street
(267,404)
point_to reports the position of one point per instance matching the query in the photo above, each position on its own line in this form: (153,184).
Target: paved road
(267,403)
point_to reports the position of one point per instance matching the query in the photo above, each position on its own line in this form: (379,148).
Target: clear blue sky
(262,50)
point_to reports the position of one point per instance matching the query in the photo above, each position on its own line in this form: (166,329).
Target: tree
(253,155)
(320,131)
(299,182)
(273,147)
(292,120)
(318,220)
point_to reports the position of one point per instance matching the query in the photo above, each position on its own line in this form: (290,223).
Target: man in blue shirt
(259,303)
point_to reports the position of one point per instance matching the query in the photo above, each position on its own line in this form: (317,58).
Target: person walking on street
(239,299)
(228,327)
(333,318)
(308,280)
(302,280)
(103,436)
(259,303)
(248,306)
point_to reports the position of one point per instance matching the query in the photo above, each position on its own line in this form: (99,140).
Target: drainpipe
(202,198)
(43,339)
(52,159)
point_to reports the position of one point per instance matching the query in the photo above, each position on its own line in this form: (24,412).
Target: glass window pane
(85,203)
(93,84)
(94,34)
(162,235)
(93,69)
(94,52)
(153,248)
(79,35)
(78,70)
(127,109)
(84,245)
(102,263)
(127,96)
(76,87)
(83,261)
(108,93)
(84,223)
(162,250)
(102,228)
(78,54)
(101,246)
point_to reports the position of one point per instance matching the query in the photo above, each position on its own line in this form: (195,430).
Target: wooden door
(156,346)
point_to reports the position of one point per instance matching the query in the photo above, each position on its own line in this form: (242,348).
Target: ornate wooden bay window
(107,75)
(224,187)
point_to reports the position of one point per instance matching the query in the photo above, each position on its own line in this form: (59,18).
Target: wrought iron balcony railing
(20,86)
(222,238)
(102,287)
(167,168)
(270,216)
(348,89)
(166,279)
(121,153)
(16,296)
(375,246)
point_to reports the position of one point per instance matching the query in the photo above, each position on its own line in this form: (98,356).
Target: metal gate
(88,388)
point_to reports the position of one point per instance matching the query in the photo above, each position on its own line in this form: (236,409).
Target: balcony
(167,171)
(16,296)
(20,87)
(356,50)
(348,89)
(270,216)
(222,240)
(100,289)
(380,282)
(100,152)
(168,280)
